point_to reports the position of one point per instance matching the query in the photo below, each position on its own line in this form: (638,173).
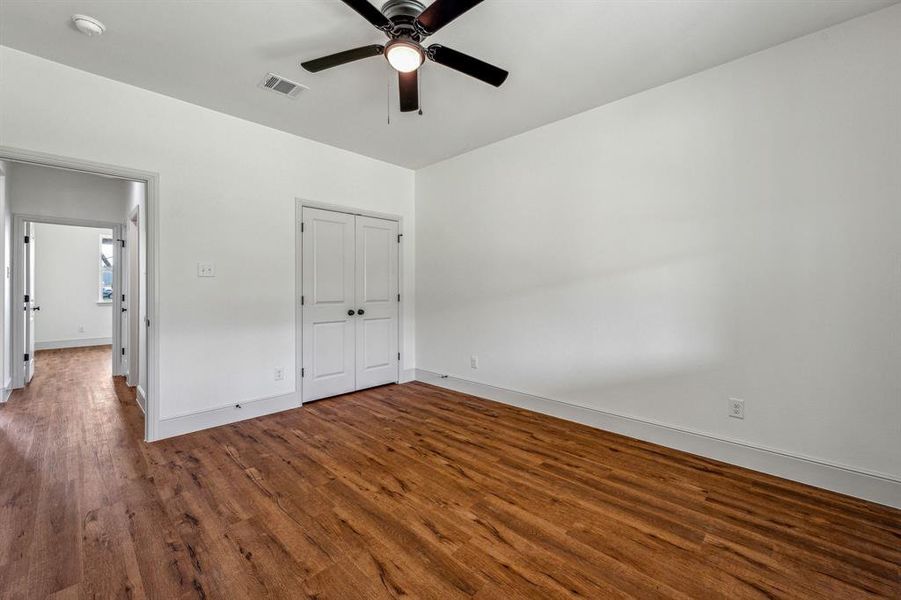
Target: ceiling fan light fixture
(404,56)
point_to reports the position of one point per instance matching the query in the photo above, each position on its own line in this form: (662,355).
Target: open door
(132,298)
(30,306)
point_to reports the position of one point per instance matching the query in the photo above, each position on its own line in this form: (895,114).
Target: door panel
(376,343)
(376,293)
(328,294)
(330,345)
(330,262)
(376,245)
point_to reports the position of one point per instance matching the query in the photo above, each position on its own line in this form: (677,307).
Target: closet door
(329,316)
(377,302)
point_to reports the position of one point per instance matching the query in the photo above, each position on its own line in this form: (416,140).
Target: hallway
(71,442)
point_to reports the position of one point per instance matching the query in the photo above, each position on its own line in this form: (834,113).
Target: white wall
(734,233)
(227,193)
(67,286)
(48,192)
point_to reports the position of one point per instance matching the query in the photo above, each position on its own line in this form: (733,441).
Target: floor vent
(282,86)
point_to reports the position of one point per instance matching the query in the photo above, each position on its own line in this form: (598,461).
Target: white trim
(299,205)
(7,391)
(141,398)
(78,343)
(869,485)
(152,241)
(224,415)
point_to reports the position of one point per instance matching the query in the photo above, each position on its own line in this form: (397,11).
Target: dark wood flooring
(401,491)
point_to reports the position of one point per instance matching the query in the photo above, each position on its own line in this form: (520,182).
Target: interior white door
(377,302)
(30,305)
(132,285)
(329,314)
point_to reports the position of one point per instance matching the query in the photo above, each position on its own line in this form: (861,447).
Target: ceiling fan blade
(341,58)
(442,12)
(467,64)
(408,85)
(370,13)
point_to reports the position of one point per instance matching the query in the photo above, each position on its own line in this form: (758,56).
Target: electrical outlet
(473,362)
(279,374)
(736,408)
(206,270)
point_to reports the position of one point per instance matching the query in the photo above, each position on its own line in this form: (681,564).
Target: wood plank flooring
(401,491)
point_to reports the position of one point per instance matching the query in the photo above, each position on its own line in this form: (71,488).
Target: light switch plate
(206,270)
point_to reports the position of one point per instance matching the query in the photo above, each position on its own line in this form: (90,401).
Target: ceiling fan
(407,23)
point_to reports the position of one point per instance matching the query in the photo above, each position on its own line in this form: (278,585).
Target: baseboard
(7,390)
(82,343)
(215,417)
(141,397)
(875,487)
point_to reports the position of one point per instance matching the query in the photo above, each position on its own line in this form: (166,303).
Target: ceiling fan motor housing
(400,11)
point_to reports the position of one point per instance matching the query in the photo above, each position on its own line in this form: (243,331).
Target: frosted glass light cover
(405,58)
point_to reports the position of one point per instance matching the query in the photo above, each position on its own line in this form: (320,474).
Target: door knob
(350,312)
(361,311)
(36,308)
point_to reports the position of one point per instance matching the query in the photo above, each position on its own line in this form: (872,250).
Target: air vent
(282,86)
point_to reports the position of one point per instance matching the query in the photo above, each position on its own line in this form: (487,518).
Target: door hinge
(301,300)
(121,242)
(398,356)
(26,357)
(302,372)
(27,239)
(123,351)
(301,226)
(399,235)
(27,297)
(123,297)
(398,297)
(147,321)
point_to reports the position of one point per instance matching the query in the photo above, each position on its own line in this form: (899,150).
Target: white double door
(349,302)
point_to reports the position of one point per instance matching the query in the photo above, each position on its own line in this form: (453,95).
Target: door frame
(299,205)
(18,279)
(151,240)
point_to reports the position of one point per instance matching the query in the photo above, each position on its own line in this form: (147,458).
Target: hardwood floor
(404,490)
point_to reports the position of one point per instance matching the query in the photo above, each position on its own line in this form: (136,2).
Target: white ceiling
(564,57)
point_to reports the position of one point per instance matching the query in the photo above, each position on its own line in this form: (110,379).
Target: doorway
(349,321)
(68,274)
(145,190)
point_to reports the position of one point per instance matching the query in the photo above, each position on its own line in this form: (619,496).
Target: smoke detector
(88,25)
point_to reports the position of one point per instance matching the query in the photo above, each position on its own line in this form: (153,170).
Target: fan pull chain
(388,97)
(419,89)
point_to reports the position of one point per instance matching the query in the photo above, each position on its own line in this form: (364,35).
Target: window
(106,269)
